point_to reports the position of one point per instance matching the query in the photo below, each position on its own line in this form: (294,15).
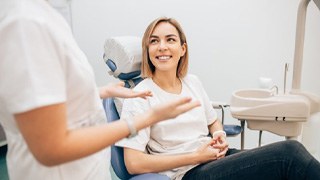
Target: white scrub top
(40,65)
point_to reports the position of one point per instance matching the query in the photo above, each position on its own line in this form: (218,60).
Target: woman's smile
(163,57)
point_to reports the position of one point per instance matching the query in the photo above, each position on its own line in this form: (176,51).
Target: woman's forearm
(138,162)
(215,126)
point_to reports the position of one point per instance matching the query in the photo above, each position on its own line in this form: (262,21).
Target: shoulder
(34,17)
(26,12)
(191,78)
(145,84)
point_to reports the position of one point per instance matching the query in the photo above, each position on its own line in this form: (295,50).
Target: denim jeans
(281,160)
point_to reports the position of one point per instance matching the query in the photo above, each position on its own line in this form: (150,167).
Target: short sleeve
(211,113)
(31,73)
(130,108)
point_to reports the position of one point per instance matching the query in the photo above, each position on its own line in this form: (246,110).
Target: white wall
(232,43)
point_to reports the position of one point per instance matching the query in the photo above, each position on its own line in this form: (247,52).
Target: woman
(50,107)
(181,148)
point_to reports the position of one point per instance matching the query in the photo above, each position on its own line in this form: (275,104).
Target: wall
(232,43)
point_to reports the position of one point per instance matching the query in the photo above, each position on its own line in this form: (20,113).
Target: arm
(118,90)
(138,162)
(45,131)
(215,126)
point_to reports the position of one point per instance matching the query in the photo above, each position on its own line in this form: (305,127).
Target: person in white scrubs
(50,106)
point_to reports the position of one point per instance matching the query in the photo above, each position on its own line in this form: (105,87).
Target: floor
(3,165)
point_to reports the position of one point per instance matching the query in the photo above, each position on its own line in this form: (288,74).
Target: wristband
(132,129)
(219,133)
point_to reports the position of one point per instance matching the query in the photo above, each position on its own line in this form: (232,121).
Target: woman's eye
(153,41)
(171,40)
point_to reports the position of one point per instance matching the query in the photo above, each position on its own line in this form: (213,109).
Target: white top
(40,65)
(184,134)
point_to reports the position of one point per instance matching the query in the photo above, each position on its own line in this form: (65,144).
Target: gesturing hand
(173,108)
(118,90)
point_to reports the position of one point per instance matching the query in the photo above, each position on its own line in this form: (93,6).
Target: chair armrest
(219,104)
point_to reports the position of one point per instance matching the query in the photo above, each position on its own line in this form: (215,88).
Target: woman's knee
(290,147)
(293,144)
(293,148)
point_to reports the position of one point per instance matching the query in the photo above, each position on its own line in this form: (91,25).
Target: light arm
(118,90)
(52,143)
(45,131)
(138,162)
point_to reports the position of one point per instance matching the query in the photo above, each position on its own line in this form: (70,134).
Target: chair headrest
(123,56)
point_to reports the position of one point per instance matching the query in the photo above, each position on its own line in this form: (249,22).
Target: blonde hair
(147,68)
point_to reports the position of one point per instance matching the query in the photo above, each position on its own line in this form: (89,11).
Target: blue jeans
(281,160)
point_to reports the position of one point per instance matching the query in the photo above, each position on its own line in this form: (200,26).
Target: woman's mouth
(163,58)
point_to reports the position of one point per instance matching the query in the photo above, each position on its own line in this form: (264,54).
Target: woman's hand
(207,153)
(220,143)
(172,109)
(118,90)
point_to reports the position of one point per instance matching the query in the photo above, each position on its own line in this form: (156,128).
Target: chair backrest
(123,57)
(117,160)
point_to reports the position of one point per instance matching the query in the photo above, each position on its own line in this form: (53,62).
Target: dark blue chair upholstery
(231,130)
(117,160)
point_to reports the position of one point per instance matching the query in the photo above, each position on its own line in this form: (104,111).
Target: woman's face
(165,47)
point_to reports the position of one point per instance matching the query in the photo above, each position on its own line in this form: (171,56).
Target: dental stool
(123,57)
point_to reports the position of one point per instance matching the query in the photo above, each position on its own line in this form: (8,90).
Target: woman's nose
(162,45)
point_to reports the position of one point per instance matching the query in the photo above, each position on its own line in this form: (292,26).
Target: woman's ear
(184,49)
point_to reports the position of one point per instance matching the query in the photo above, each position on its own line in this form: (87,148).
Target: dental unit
(294,114)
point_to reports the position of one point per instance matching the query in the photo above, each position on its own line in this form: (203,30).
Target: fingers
(148,93)
(144,94)
(188,106)
(207,153)
(121,83)
(220,145)
(184,104)
(222,153)
(181,101)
